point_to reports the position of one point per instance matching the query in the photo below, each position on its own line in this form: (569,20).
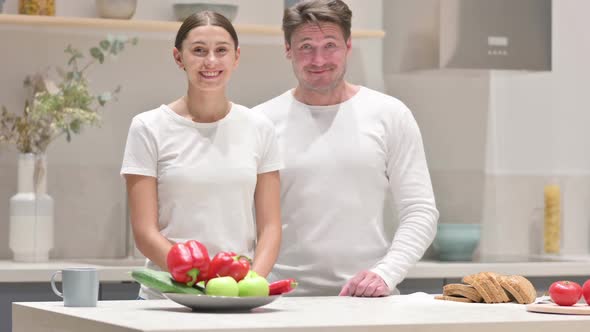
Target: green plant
(63,108)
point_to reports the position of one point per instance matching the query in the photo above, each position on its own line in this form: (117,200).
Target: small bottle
(36,7)
(552,224)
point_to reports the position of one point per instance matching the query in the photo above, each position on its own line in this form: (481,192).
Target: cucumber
(161,281)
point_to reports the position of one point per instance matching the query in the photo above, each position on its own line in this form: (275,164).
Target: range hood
(495,34)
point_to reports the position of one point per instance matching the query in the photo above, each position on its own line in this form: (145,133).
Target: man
(345,146)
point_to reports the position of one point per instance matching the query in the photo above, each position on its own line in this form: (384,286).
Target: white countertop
(417,312)
(113,270)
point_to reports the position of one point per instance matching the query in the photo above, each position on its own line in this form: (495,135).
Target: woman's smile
(208,74)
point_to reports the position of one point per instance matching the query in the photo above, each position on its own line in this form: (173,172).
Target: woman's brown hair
(204,18)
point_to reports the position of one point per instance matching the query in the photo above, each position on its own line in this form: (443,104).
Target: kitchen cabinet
(24,282)
(41,291)
(429,285)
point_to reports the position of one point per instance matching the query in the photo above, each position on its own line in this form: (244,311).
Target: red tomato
(586,291)
(565,293)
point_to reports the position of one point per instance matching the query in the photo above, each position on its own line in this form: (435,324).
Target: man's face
(318,55)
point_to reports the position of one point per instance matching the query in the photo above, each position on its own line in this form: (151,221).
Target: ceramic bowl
(456,242)
(116,9)
(182,10)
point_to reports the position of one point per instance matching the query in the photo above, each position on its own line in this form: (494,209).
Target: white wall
(542,121)
(547,114)
(411,41)
(517,130)
(83,175)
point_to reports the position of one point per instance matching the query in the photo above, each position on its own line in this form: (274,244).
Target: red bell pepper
(186,261)
(227,263)
(282,286)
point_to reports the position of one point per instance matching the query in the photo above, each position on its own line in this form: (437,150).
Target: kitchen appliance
(498,34)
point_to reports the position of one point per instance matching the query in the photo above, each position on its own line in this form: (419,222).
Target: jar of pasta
(36,7)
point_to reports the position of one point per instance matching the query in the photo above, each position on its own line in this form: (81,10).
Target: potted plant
(54,108)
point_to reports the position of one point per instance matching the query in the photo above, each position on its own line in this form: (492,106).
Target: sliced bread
(463,290)
(499,292)
(453,298)
(520,288)
(483,287)
(488,287)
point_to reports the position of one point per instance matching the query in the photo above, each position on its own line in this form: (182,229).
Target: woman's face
(208,56)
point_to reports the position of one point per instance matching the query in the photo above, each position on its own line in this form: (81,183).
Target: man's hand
(365,283)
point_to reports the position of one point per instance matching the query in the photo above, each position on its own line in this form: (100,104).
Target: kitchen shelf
(142,25)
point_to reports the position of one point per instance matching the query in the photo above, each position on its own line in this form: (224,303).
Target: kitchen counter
(118,269)
(416,312)
(437,269)
(108,269)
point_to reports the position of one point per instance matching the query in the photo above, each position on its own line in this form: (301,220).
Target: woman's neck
(205,106)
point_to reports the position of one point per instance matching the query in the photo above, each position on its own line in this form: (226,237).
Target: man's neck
(337,95)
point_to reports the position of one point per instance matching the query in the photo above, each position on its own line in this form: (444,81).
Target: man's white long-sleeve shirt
(340,162)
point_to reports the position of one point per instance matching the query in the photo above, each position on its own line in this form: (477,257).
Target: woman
(195,167)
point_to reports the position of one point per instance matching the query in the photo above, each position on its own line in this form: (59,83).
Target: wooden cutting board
(552,308)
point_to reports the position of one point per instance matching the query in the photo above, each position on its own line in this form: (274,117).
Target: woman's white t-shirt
(206,174)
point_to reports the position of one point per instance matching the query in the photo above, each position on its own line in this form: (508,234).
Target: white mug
(79,285)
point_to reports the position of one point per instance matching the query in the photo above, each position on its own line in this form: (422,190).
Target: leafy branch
(65,108)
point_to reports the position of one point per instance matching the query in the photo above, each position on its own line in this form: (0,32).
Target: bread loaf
(493,288)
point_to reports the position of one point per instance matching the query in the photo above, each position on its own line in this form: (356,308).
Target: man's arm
(413,198)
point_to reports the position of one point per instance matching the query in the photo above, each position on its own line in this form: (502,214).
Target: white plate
(214,303)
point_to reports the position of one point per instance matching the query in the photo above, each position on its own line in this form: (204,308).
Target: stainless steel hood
(495,34)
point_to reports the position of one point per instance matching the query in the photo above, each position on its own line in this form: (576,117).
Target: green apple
(253,286)
(222,286)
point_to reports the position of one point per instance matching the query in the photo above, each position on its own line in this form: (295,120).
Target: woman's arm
(268,222)
(143,205)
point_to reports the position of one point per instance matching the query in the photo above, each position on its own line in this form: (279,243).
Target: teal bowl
(456,242)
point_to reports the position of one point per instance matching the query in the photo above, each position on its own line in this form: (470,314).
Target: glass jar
(36,7)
